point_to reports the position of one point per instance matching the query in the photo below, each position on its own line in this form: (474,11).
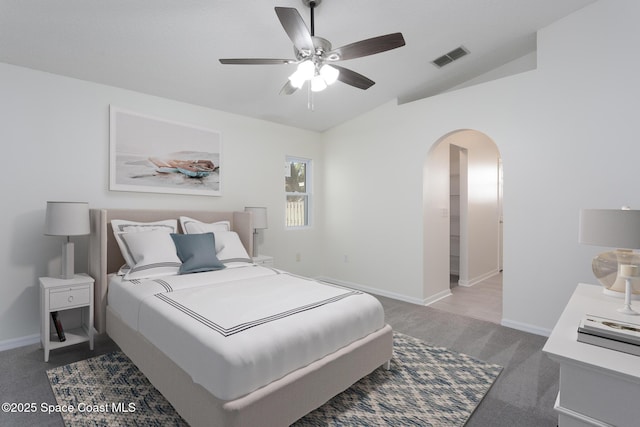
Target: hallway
(482,301)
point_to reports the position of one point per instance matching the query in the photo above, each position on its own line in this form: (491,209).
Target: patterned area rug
(426,386)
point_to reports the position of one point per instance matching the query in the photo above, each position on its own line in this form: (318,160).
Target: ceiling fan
(315,57)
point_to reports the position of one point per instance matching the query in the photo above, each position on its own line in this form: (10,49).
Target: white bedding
(125,296)
(238,329)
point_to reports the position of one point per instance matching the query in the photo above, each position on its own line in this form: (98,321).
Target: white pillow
(229,248)
(193,226)
(121,226)
(153,252)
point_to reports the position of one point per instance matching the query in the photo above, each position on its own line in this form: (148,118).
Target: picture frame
(155,155)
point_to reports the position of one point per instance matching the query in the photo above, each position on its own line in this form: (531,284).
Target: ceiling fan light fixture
(318,84)
(306,70)
(329,74)
(296,80)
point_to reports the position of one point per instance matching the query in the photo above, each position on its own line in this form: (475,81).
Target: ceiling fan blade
(352,78)
(295,28)
(368,47)
(256,61)
(288,88)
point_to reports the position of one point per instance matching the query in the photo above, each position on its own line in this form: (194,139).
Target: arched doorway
(462,213)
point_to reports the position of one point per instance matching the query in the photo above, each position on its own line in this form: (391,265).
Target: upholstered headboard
(105,256)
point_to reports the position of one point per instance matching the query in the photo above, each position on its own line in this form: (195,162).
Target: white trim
(437,297)
(370,290)
(526,327)
(19,342)
(476,280)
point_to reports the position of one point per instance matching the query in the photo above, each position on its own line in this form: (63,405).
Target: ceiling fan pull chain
(309,98)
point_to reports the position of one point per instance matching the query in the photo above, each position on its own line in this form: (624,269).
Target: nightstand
(264,260)
(62,295)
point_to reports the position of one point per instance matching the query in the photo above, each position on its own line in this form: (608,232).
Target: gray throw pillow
(197,252)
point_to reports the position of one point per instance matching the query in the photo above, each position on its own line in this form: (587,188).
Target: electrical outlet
(298,257)
(346,258)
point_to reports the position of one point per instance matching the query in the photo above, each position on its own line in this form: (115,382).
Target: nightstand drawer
(70,297)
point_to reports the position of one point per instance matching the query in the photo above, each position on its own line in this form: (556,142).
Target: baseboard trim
(375,291)
(19,342)
(525,327)
(476,280)
(437,297)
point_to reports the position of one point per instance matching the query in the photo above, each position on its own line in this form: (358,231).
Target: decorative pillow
(153,253)
(197,252)
(121,226)
(229,248)
(193,226)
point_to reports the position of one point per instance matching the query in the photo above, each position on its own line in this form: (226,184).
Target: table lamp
(615,228)
(259,215)
(67,219)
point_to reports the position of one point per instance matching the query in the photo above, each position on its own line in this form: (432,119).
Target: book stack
(610,333)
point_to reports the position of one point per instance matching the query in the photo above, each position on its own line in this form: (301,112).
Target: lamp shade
(67,219)
(614,228)
(259,217)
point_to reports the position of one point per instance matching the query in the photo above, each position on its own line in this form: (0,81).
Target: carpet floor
(426,386)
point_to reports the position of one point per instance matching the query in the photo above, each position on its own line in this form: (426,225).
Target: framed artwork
(154,155)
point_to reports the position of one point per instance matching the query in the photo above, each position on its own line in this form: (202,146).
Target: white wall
(437,223)
(55,139)
(373,205)
(567,136)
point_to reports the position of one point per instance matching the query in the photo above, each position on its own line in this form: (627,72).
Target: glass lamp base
(606,269)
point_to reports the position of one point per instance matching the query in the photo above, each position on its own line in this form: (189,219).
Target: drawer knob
(70,299)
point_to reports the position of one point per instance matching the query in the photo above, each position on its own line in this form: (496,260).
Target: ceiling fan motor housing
(321,46)
(308,3)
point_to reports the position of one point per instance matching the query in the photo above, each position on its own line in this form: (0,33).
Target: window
(297,187)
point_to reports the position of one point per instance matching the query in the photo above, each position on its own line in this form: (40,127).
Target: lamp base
(606,267)
(627,298)
(255,243)
(67,261)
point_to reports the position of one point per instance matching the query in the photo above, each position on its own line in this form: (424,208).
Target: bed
(251,393)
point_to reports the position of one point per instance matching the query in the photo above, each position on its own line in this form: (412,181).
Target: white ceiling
(170,48)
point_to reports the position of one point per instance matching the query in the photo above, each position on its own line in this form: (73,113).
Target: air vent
(448,58)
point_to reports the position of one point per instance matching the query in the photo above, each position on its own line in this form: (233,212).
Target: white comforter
(238,329)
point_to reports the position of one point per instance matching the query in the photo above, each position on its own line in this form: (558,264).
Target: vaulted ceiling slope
(171,48)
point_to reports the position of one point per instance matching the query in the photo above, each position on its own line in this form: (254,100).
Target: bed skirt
(277,404)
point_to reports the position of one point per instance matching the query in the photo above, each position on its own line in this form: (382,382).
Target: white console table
(598,386)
